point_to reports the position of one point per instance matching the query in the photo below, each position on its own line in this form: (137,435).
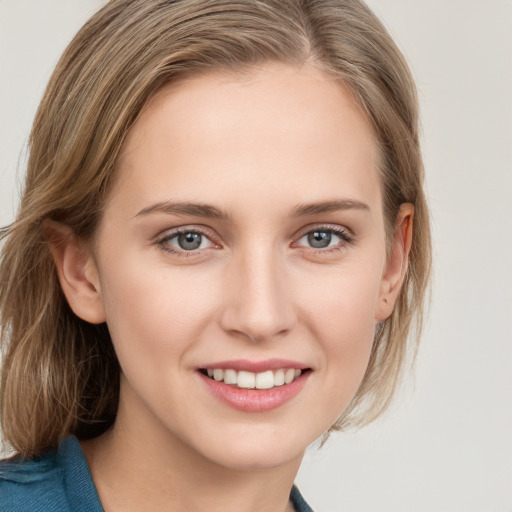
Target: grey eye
(189,241)
(323,239)
(319,239)
(185,241)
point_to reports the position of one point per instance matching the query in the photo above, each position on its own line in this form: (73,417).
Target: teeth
(279,378)
(264,380)
(288,376)
(246,380)
(250,380)
(230,377)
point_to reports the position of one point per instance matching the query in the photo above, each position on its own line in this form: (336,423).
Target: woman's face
(244,235)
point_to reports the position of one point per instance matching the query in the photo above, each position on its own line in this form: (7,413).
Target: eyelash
(162,242)
(346,238)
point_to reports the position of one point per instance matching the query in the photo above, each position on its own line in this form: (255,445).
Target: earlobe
(397,262)
(77,272)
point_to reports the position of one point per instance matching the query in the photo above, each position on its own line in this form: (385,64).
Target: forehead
(225,133)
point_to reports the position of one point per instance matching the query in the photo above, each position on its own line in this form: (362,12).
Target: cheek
(153,312)
(346,328)
(343,300)
(341,313)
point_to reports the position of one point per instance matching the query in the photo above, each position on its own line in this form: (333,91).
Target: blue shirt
(60,481)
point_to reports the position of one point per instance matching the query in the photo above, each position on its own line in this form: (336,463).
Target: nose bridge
(260,304)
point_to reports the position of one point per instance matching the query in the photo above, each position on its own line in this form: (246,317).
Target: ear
(78,274)
(396,265)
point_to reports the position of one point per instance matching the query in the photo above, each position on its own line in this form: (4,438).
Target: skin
(255,148)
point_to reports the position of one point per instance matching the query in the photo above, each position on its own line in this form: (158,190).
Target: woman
(221,246)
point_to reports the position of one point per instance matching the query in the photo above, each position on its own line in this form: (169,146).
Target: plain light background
(446,446)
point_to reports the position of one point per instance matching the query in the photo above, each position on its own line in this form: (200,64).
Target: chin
(250,452)
(257,460)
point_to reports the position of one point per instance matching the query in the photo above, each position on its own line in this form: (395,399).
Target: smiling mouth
(250,380)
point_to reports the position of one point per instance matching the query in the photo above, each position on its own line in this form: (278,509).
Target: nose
(259,303)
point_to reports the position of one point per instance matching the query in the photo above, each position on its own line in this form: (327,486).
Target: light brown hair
(60,374)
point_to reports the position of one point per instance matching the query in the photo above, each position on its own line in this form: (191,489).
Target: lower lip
(255,400)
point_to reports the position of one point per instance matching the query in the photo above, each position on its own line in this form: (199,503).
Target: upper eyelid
(325,227)
(347,238)
(163,240)
(171,232)
(214,238)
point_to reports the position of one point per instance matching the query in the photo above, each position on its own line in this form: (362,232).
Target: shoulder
(57,481)
(299,503)
(35,484)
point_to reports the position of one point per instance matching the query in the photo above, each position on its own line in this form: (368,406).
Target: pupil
(189,241)
(319,239)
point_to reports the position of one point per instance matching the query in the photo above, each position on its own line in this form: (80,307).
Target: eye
(325,238)
(185,240)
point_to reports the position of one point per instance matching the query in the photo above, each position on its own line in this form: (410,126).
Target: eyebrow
(194,209)
(303,210)
(212,212)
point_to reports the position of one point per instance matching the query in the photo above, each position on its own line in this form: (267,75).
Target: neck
(136,469)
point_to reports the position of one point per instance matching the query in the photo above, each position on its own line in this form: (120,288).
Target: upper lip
(255,366)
